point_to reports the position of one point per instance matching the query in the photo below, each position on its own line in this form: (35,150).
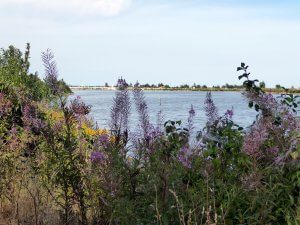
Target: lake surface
(173,104)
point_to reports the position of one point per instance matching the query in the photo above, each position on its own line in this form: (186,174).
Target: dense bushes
(58,167)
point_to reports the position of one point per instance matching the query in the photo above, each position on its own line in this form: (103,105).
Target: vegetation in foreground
(58,167)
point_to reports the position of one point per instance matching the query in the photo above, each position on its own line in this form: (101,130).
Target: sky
(152,41)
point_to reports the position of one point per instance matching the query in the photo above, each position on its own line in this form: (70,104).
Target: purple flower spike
(142,109)
(185,157)
(210,109)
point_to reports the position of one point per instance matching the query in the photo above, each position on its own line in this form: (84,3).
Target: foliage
(55,159)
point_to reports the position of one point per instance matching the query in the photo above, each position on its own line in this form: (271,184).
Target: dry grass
(27,208)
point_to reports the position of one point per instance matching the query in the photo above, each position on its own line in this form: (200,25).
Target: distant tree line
(261,84)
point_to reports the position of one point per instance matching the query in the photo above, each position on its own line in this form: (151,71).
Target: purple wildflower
(229,114)
(210,109)
(266,102)
(273,151)
(97,157)
(30,119)
(277,124)
(153,134)
(254,140)
(142,109)
(121,109)
(104,140)
(185,157)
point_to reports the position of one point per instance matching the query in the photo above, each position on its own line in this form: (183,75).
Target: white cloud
(103,7)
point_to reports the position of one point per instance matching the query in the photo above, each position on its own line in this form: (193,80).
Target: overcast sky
(152,41)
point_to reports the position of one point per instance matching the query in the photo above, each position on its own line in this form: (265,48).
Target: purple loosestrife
(51,72)
(185,156)
(213,121)
(276,123)
(102,141)
(210,109)
(97,157)
(154,134)
(266,102)
(147,143)
(254,140)
(142,109)
(121,108)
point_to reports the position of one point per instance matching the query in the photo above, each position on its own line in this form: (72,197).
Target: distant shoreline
(103,88)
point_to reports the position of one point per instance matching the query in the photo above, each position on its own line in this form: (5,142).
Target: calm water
(174,105)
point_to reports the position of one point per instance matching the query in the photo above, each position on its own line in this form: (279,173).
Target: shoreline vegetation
(239,89)
(58,167)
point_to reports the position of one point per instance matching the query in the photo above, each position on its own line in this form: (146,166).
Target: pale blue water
(174,105)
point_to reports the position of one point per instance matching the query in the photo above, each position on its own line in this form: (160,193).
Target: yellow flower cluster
(96,132)
(112,139)
(92,132)
(56,115)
